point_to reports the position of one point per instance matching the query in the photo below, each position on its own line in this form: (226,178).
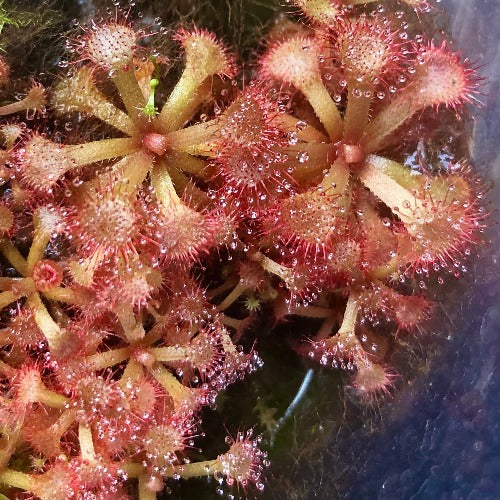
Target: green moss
(6,17)
(32,33)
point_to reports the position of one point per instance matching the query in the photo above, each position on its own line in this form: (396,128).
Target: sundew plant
(141,245)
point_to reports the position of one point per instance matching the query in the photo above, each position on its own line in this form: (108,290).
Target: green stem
(62,424)
(173,113)
(38,247)
(272,266)
(163,185)
(402,175)
(308,156)
(149,109)
(133,328)
(16,107)
(7,298)
(133,469)
(131,95)
(51,398)
(106,149)
(337,179)
(197,469)
(17,479)
(111,115)
(234,295)
(12,254)
(198,97)
(348,326)
(401,201)
(132,171)
(102,360)
(41,238)
(6,283)
(43,319)
(169,354)
(65,295)
(324,107)
(388,121)
(174,388)
(144,492)
(184,185)
(133,371)
(10,444)
(189,138)
(356,115)
(126,176)
(79,93)
(86,441)
(188,163)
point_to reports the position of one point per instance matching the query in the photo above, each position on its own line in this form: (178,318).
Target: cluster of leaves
(135,263)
